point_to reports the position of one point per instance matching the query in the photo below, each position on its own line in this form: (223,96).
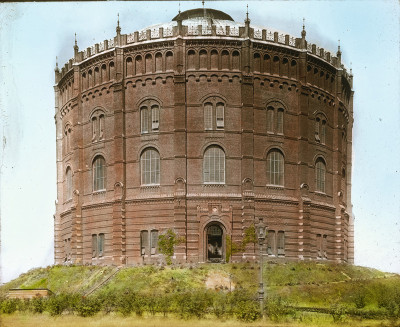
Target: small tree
(167,242)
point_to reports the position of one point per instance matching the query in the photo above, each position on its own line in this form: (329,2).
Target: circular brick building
(203,125)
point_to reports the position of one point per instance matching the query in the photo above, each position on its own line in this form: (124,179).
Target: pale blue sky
(33,34)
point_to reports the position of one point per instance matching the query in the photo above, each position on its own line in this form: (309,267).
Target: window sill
(319,193)
(214,184)
(149,186)
(275,187)
(103,191)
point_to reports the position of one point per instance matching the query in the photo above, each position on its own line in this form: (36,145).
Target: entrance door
(214,243)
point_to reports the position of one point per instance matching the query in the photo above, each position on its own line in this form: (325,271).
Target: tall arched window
(99,174)
(214,165)
(275,167)
(68,180)
(150,167)
(149,117)
(320,172)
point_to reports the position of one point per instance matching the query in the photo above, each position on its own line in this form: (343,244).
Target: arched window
(214,165)
(225,60)
(275,167)
(150,167)
(320,171)
(169,61)
(158,62)
(68,180)
(235,60)
(149,117)
(275,118)
(279,121)
(257,62)
(99,174)
(149,63)
(320,129)
(203,59)
(214,59)
(67,139)
(214,114)
(191,60)
(270,119)
(98,121)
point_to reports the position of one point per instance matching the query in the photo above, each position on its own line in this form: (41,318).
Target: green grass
(299,283)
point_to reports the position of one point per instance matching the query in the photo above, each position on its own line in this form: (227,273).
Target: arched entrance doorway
(214,243)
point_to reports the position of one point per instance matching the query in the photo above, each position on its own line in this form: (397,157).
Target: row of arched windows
(274,65)
(213,60)
(320,78)
(213,169)
(98,75)
(145,65)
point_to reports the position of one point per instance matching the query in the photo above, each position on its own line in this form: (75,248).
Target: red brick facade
(244,93)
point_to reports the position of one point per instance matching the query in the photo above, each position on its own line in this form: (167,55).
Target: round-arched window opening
(214,243)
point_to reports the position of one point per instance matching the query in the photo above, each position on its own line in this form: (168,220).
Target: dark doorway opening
(214,244)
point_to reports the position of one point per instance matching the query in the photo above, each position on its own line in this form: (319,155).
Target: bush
(37,305)
(247,310)
(360,299)
(88,307)
(57,304)
(219,305)
(9,306)
(191,305)
(338,313)
(276,309)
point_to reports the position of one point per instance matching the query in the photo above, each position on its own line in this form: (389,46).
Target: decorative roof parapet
(205,27)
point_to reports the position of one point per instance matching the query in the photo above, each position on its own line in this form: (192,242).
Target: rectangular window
(279,123)
(220,115)
(154,241)
(271,242)
(324,243)
(144,242)
(144,118)
(281,243)
(101,127)
(270,120)
(94,128)
(319,246)
(94,245)
(323,132)
(101,244)
(208,116)
(155,117)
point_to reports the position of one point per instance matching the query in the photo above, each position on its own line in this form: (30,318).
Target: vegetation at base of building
(236,247)
(167,243)
(294,290)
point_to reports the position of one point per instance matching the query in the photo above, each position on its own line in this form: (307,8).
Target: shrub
(55,305)
(9,306)
(360,300)
(88,307)
(195,304)
(219,305)
(164,304)
(276,309)
(37,305)
(338,313)
(166,244)
(247,310)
